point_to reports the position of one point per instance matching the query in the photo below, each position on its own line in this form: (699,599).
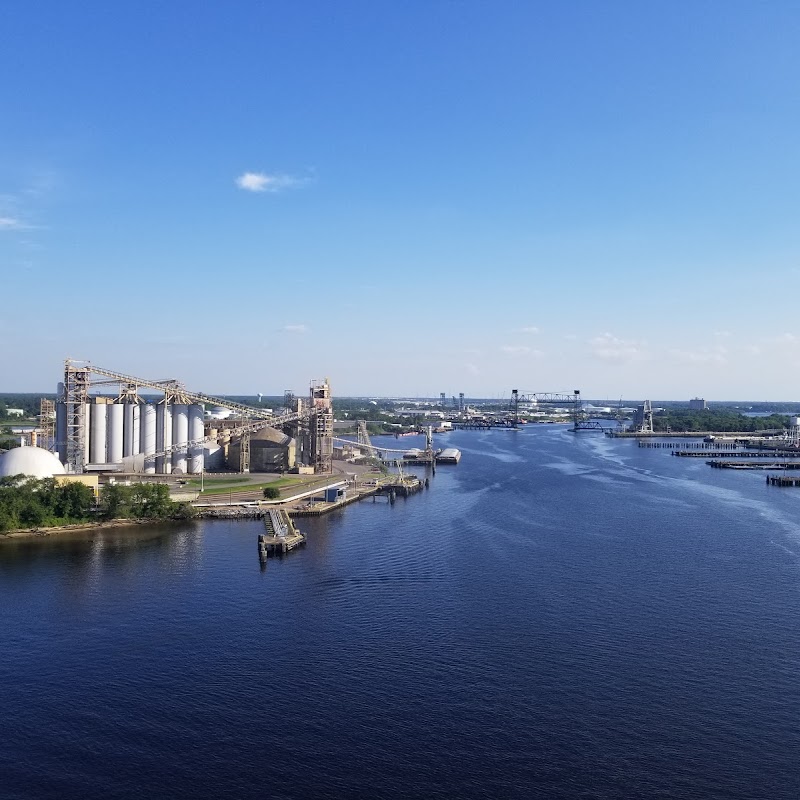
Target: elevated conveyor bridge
(82,376)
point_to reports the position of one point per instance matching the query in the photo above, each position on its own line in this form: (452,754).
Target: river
(559,616)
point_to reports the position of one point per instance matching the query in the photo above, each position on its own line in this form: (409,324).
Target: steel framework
(580,421)
(76,393)
(322,443)
(78,379)
(47,424)
(363,435)
(643,420)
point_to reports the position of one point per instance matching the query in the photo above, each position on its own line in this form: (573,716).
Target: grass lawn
(223,486)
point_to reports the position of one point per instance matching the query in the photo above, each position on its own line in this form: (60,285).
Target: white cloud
(11,224)
(472,369)
(515,349)
(296,328)
(752,350)
(608,347)
(529,329)
(722,334)
(262,182)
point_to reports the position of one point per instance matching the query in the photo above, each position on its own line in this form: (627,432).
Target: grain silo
(180,436)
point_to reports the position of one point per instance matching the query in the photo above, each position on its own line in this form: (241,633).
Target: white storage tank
(87,424)
(794,422)
(136,436)
(127,430)
(180,435)
(163,437)
(196,428)
(213,457)
(116,421)
(148,429)
(97,433)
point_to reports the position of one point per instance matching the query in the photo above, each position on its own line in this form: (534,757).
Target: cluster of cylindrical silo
(130,433)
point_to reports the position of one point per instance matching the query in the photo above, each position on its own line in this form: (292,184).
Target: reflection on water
(558,616)
(77,559)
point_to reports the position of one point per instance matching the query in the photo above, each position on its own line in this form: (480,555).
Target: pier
(739,435)
(735,454)
(389,487)
(281,535)
(772,465)
(321,507)
(691,445)
(782,480)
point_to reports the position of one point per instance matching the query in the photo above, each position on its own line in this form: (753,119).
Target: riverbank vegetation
(141,501)
(682,419)
(31,503)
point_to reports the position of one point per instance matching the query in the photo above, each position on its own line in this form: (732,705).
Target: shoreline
(79,527)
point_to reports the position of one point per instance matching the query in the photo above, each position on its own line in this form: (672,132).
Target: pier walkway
(281,535)
(736,454)
(771,465)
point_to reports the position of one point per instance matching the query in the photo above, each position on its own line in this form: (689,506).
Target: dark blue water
(558,616)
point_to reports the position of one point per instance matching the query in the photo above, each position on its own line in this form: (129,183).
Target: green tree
(73,501)
(271,493)
(111,502)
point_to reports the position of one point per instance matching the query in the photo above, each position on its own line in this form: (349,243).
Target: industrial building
(106,421)
(270,451)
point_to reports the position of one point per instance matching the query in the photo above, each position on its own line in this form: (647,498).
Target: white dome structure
(218,412)
(33,462)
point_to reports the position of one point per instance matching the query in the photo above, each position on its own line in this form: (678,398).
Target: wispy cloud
(529,329)
(264,182)
(608,347)
(295,328)
(705,355)
(472,369)
(515,349)
(12,224)
(722,334)
(783,338)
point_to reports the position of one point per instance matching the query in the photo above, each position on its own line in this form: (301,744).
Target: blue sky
(407,197)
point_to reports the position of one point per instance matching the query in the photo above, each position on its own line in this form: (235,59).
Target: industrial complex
(107,421)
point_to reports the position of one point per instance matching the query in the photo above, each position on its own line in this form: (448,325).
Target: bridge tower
(643,418)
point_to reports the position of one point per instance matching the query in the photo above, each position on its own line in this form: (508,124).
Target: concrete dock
(281,535)
(772,465)
(782,480)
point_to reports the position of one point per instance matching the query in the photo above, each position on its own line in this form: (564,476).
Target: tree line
(681,419)
(39,503)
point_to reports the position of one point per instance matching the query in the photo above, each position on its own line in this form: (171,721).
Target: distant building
(697,404)
(15,412)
